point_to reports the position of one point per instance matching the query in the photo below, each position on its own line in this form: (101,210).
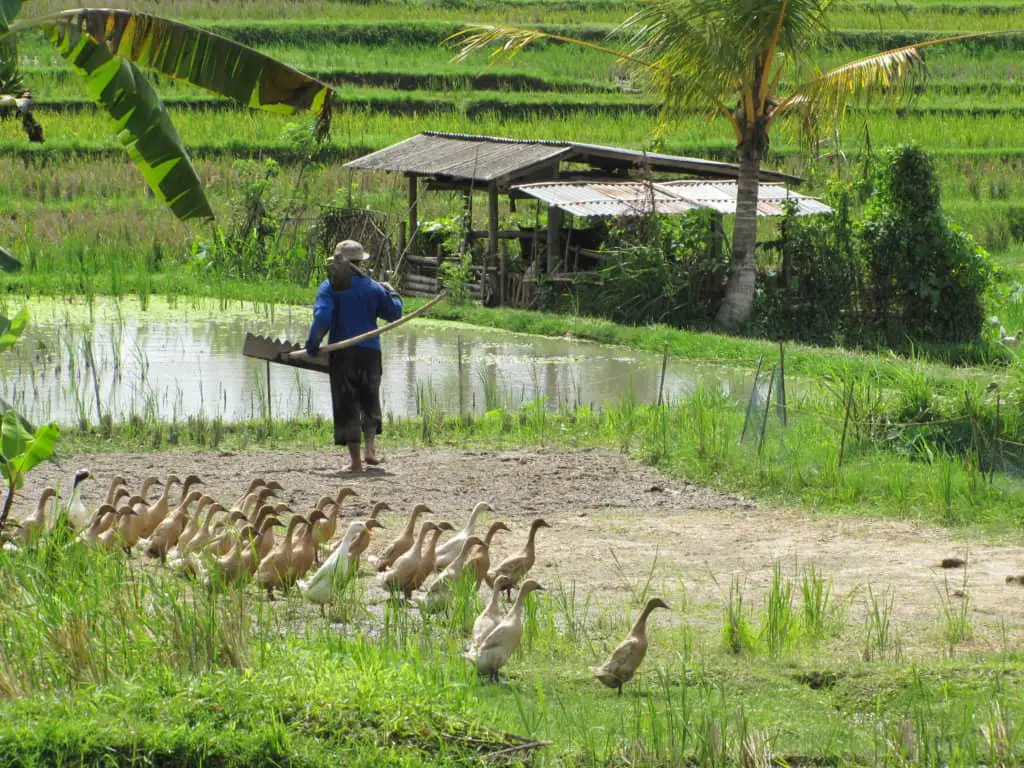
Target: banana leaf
(10,77)
(107,48)
(194,55)
(11,330)
(7,261)
(8,12)
(143,124)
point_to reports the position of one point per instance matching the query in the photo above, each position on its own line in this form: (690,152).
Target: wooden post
(413,209)
(997,448)
(401,238)
(462,409)
(780,397)
(846,423)
(492,239)
(661,385)
(554,228)
(270,415)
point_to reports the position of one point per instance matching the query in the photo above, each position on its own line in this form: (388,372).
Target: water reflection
(76,362)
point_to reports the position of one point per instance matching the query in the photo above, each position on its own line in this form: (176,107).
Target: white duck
(320,588)
(501,642)
(78,515)
(450,549)
(491,615)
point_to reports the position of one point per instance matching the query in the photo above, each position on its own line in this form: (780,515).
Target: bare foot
(355,466)
(373,461)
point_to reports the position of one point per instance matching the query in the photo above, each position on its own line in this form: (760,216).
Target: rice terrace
(547,382)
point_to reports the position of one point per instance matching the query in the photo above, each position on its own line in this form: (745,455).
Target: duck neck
(517,607)
(472,519)
(530,541)
(491,532)
(431,553)
(640,626)
(410,527)
(492,606)
(289,535)
(420,541)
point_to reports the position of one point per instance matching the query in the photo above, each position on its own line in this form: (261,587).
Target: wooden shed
(466,163)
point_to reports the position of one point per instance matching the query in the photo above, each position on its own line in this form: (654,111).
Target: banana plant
(109,48)
(22,447)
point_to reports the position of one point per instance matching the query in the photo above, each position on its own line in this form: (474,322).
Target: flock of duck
(200,537)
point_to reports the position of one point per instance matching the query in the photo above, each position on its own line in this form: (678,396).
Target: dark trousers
(355,393)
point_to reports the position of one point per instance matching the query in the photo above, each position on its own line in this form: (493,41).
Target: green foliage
(928,278)
(444,236)
(21,450)
(665,269)
(256,243)
(898,274)
(456,275)
(814,294)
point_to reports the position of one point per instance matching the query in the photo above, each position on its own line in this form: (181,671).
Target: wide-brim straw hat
(349,250)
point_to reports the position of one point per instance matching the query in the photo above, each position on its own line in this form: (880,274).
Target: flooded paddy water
(167,361)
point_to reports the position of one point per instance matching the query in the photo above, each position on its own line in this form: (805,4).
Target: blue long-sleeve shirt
(352,311)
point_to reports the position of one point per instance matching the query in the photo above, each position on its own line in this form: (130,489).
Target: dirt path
(689,540)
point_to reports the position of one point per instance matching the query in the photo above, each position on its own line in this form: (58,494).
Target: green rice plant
(954,605)
(780,623)
(736,631)
(818,606)
(713,731)
(881,639)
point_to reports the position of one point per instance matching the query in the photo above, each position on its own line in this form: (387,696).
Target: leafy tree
(750,62)
(108,48)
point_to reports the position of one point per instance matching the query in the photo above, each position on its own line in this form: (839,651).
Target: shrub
(815,293)
(928,278)
(664,269)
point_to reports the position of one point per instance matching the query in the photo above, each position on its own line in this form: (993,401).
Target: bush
(815,293)
(664,269)
(928,278)
(901,275)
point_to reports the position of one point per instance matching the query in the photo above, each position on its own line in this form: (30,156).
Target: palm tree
(108,47)
(737,59)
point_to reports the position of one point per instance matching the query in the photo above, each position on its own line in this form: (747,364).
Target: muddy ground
(688,540)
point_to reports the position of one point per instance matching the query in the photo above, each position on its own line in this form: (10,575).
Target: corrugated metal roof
(635,198)
(721,195)
(485,159)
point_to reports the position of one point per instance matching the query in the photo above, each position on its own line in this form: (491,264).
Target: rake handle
(353,340)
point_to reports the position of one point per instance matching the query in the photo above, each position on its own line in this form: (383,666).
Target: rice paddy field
(396,79)
(778,651)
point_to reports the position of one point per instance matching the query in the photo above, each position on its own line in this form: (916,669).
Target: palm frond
(823,100)
(506,42)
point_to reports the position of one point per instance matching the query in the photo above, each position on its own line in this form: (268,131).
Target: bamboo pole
(350,342)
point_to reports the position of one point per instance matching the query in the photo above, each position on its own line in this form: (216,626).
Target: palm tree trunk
(738,303)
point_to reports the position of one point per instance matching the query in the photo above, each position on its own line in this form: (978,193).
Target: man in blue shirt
(347,304)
